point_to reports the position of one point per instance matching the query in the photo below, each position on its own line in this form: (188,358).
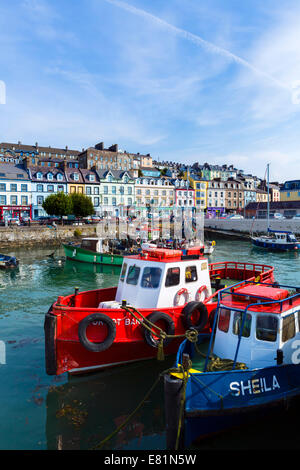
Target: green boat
(95,251)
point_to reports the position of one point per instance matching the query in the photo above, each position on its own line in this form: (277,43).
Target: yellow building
(200,187)
(290,191)
(75,181)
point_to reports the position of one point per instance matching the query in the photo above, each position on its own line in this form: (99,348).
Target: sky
(184,80)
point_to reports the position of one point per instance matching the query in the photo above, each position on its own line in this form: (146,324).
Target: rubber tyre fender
(97,347)
(187,313)
(155,317)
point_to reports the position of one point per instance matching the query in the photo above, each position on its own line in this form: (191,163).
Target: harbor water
(41,412)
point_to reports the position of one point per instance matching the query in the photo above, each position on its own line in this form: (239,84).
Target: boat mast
(268,200)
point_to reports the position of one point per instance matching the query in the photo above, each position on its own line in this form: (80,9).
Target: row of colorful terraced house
(113,178)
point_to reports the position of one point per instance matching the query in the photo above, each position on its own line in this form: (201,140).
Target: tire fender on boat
(202,294)
(107,321)
(154,317)
(189,310)
(181,292)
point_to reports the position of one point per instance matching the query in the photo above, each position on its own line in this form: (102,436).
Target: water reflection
(85,410)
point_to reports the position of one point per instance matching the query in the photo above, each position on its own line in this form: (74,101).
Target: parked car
(13,221)
(277,215)
(296,217)
(235,216)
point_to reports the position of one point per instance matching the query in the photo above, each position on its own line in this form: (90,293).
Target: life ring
(202,294)
(111,334)
(181,292)
(189,312)
(154,317)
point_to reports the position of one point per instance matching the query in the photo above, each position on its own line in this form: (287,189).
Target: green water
(42,412)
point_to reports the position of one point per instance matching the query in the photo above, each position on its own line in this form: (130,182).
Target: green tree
(58,204)
(81,204)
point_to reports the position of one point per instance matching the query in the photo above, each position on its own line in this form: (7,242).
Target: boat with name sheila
(251,366)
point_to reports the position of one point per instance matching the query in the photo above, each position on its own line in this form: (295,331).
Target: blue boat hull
(216,401)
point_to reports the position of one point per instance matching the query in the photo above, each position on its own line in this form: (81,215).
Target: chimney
(100,146)
(113,148)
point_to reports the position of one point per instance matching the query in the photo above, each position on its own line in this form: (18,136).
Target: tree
(81,204)
(58,204)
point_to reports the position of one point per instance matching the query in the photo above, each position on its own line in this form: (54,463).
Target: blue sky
(184,80)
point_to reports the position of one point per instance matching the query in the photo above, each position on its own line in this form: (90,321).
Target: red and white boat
(175,291)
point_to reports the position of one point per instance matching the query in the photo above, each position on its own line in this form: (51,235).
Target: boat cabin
(257,324)
(282,236)
(162,278)
(94,244)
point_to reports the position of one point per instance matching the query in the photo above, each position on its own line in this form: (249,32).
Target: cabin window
(224,320)
(123,272)
(237,322)
(151,277)
(191,274)
(266,327)
(173,277)
(133,275)
(288,328)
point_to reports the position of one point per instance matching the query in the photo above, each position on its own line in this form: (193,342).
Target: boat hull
(218,401)
(81,255)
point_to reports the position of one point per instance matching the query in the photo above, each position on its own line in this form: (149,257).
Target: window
(96,201)
(59,176)
(173,277)
(237,322)
(2,200)
(39,188)
(96,190)
(88,190)
(60,188)
(105,189)
(191,274)
(288,327)
(39,176)
(266,327)
(113,189)
(50,188)
(40,200)
(133,275)
(123,272)
(129,190)
(24,187)
(114,201)
(151,278)
(13,187)
(13,200)
(224,320)
(24,200)
(50,176)
(2,187)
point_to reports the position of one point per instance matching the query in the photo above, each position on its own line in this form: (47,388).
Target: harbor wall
(243,227)
(41,235)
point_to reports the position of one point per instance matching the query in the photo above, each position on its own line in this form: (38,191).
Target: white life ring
(202,294)
(182,292)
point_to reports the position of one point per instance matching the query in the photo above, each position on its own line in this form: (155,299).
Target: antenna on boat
(268,197)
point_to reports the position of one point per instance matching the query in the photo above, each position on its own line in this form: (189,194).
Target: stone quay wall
(246,226)
(43,235)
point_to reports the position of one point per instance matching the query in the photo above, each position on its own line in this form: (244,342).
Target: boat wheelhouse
(251,365)
(161,294)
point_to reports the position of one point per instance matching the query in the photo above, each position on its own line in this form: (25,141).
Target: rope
(190,335)
(122,425)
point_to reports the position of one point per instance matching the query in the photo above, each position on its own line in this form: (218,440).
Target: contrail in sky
(210,47)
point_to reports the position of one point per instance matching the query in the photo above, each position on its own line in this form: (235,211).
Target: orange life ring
(181,292)
(202,294)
